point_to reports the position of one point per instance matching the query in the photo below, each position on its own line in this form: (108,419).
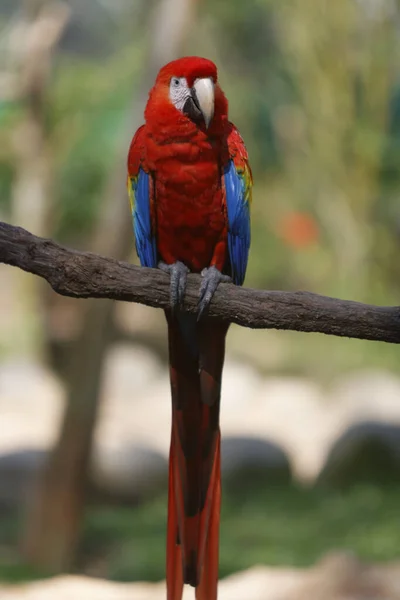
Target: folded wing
(238,185)
(140,194)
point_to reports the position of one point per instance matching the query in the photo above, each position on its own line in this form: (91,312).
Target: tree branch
(87,275)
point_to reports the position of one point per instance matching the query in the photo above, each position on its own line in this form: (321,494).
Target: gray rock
(252,461)
(368,451)
(18,473)
(129,473)
(135,472)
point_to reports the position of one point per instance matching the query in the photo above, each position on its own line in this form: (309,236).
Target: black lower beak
(191,108)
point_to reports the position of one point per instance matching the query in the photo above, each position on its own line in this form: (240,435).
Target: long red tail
(196,361)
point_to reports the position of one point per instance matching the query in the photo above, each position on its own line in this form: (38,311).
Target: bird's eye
(175,82)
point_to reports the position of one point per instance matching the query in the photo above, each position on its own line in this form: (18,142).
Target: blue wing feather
(140,203)
(238,209)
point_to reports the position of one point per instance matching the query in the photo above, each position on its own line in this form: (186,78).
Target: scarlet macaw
(190,183)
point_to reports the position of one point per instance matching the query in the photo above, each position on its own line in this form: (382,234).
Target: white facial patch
(178,92)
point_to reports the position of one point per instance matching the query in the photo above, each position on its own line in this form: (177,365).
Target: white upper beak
(204,89)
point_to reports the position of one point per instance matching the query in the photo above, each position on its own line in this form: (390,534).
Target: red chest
(190,210)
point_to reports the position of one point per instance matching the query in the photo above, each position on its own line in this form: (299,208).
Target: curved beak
(203,96)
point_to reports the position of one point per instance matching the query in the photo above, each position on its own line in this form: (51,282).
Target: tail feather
(208,586)
(194,472)
(174,554)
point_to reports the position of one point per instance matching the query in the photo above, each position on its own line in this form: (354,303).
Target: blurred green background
(314,89)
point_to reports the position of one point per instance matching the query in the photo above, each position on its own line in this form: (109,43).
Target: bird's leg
(178,272)
(211,280)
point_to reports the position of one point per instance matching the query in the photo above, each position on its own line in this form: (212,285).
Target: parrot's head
(189,86)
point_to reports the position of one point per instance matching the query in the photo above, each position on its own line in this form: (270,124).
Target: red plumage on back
(182,219)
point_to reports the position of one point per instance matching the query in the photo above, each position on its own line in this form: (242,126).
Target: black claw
(211,280)
(178,272)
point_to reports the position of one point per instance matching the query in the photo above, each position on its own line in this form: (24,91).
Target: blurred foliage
(313,87)
(277,526)
(89,111)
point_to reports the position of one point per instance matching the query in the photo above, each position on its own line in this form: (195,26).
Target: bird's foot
(211,280)
(178,272)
